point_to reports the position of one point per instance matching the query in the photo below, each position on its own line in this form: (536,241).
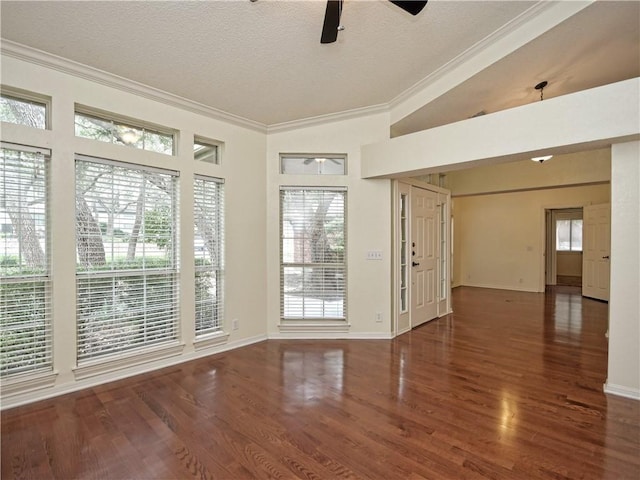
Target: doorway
(422,254)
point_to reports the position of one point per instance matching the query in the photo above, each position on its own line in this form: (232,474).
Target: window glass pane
(313,165)
(576,235)
(126,257)
(23,112)
(563,235)
(111,131)
(313,253)
(204,152)
(209,254)
(25,320)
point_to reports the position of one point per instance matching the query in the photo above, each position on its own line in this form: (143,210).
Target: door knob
(606,257)
(414,264)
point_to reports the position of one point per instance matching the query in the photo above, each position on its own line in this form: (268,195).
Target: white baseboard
(25,397)
(515,288)
(329,336)
(622,391)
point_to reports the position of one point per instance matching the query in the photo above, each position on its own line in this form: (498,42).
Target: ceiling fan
(332,26)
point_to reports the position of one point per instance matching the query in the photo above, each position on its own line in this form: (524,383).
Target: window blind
(313,254)
(209,253)
(127,269)
(25,302)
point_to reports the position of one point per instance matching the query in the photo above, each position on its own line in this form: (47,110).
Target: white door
(596,248)
(424,260)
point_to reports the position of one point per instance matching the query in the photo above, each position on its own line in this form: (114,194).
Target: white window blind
(312,251)
(127,270)
(25,306)
(209,253)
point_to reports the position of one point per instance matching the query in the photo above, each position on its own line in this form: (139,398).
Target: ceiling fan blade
(331,21)
(412,7)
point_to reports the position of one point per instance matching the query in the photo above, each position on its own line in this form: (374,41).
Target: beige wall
(569,264)
(242,167)
(499,238)
(368,220)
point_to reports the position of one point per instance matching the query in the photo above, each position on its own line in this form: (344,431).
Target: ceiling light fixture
(540,87)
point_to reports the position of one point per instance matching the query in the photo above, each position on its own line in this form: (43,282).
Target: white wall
(368,220)
(499,238)
(243,169)
(624,300)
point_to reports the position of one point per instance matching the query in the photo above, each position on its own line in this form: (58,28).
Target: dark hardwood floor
(507,387)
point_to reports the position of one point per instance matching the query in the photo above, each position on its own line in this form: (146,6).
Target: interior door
(596,248)
(424,260)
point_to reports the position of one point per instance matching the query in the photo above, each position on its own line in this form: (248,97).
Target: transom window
(127,268)
(313,164)
(23,110)
(25,306)
(206,151)
(313,255)
(109,130)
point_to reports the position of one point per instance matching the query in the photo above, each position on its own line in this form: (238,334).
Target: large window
(25,320)
(312,250)
(209,253)
(126,240)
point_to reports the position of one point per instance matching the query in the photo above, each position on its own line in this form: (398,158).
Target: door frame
(401,322)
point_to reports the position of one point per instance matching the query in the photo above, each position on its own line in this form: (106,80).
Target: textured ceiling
(263,60)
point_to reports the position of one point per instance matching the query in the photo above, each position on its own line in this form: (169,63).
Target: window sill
(328,326)
(27,383)
(110,364)
(210,340)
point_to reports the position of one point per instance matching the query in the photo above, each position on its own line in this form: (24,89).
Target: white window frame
(206,143)
(570,215)
(36,357)
(304,318)
(208,205)
(313,163)
(31,98)
(110,278)
(119,121)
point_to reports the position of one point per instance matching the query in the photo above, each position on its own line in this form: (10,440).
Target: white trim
(329,327)
(28,397)
(101,366)
(63,65)
(328,118)
(317,335)
(28,382)
(622,391)
(210,340)
(514,288)
(527,26)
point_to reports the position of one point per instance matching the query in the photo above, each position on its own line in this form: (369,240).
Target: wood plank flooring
(507,387)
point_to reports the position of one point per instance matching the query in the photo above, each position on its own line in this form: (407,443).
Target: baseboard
(514,288)
(622,391)
(330,336)
(23,398)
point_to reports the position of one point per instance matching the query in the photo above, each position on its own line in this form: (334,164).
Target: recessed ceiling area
(608,51)
(262,61)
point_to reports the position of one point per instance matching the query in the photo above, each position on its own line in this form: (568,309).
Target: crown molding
(538,19)
(328,118)
(79,70)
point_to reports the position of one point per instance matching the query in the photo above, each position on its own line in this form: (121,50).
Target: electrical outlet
(378,317)
(235,324)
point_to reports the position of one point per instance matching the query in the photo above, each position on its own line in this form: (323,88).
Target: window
(313,165)
(205,151)
(209,253)
(569,235)
(23,111)
(312,251)
(127,269)
(108,130)
(25,310)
